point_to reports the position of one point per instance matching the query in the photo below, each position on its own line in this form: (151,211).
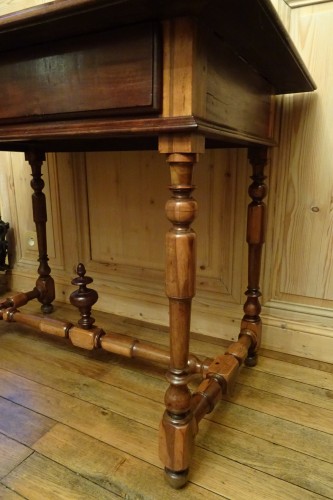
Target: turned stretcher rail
(219,374)
(95,337)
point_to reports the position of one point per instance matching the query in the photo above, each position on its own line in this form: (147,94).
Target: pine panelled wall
(119,233)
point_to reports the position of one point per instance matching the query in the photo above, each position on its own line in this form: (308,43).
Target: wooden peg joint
(224,370)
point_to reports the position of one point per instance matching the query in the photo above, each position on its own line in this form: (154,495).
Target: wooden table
(177,75)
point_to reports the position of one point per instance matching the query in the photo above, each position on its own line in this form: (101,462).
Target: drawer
(114,72)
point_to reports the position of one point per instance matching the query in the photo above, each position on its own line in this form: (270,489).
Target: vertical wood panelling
(304,269)
(127,222)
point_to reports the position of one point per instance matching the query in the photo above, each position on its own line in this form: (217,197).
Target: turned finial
(84,298)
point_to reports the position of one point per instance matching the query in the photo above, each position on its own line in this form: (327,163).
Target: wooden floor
(81,425)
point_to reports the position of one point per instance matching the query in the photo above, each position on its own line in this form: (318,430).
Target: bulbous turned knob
(84,298)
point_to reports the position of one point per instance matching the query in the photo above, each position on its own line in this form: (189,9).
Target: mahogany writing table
(177,75)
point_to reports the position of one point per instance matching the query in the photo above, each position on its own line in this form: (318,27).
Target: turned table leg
(256,226)
(178,425)
(45,283)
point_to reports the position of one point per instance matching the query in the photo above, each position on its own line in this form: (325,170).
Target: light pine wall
(107,209)
(8,6)
(298,276)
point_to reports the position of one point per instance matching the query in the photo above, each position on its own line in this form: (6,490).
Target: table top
(251,28)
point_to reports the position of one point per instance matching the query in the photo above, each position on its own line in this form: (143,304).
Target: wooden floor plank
(247,486)
(302,470)
(118,472)
(126,435)
(133,377)
(276,430)
(273,438)
(322,398)
(92,419)
(22,424)
(7,494)
(282,407)
(86,389)
(37,478)
(12,454)
(297,373)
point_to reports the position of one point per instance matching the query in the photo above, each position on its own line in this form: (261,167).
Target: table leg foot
(251,360)
(176,479)
(47,308)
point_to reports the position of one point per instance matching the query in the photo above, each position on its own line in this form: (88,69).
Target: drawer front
(110,73)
